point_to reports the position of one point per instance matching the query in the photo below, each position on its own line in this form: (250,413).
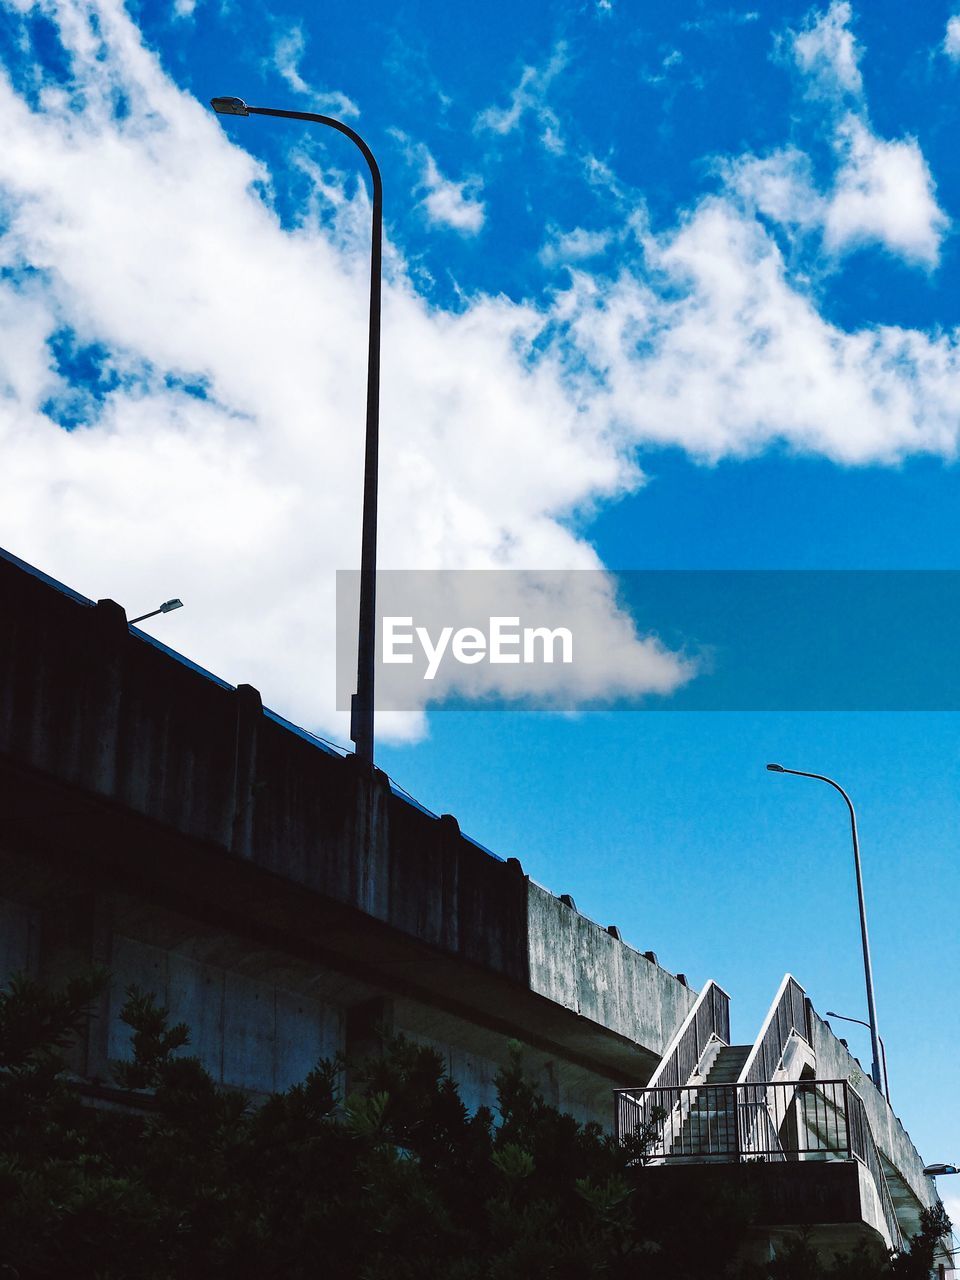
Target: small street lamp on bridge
(883,1048)
(168,606)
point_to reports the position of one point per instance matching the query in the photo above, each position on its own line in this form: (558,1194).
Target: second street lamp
(842,1017)
(867,966)
(168,606)
(361,711)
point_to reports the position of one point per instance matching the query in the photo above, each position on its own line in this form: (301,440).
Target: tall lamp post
(867,967)
(361,707)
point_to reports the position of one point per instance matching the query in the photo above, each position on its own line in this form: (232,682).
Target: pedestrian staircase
(708,1132)
(710,1102)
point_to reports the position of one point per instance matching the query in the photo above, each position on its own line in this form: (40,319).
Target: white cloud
(573,246)
(827,52)
(662,75)
(883,192)
(779,185)
(951,40)
(530,97)
(725,354)
(729,18)
(288,50)
(451,203)
(603,651)
(147,236)
(445,202)
(184,8)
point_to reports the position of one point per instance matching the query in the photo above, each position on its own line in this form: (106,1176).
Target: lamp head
(935,1170)
(229,106)
(169,605)
(776,768)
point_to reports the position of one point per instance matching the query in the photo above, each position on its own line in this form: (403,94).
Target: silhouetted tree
(397,1181)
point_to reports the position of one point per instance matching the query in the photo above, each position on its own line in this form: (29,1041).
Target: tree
(394,1182)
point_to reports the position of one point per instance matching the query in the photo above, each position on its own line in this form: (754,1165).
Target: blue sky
(667,287)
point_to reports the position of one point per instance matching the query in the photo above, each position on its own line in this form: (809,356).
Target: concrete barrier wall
(834,1062)
(578,964)
(85,701)
(185,790)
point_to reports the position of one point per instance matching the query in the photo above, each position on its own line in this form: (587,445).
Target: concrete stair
(728,1064)
(709,1129)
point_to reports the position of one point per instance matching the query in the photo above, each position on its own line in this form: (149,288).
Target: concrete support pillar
(370,867)
(104,638)
(249,716)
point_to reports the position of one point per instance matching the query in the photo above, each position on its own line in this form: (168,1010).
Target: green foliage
(397,1181)
(37,1027)
(65,1208)
(154,1043)
(917,1263)
(797,1260)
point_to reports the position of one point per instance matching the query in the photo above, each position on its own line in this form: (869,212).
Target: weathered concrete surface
(143,791)
(903,1161)
(87,703)
(579,965)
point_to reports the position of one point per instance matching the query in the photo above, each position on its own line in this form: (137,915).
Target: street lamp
(938,1170)
(883,1047)
(361,706)
(867,967)
(168,606)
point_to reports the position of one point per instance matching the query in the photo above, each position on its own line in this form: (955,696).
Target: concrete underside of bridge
(280,900)
(828,1202)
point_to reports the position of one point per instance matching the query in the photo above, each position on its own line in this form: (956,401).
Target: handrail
(807,1117)
(787,1013)
(864,1147)
(758,1131)
(708,1019)
(710,1016)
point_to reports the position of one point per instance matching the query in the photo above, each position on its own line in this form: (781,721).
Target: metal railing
(790,1012)
(708,1019)
(787,1120)
(708,1022)
(865,1149)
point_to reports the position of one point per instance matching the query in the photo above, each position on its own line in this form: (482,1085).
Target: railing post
(846,1116)
(736,1124)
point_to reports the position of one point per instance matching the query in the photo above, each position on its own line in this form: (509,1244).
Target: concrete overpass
(165,824)
(286,905)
